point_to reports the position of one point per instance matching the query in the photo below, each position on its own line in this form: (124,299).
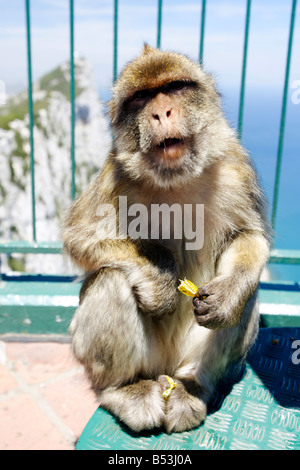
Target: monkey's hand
(219,304)
(153,279)
(155,291)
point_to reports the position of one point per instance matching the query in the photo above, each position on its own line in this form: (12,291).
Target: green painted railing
(242,93)
(31,123)
(203,14)
(55,247)
(277,256)
(159,20)
(72,98)
(115,70)
(283,114)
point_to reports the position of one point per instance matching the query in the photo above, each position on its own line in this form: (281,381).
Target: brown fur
(133,326)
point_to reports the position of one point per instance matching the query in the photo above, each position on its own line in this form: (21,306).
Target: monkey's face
(162,106)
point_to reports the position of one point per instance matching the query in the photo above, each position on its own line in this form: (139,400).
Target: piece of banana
(188,288)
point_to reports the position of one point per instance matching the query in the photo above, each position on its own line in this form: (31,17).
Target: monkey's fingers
(190,289)
(204,291)
(201,307)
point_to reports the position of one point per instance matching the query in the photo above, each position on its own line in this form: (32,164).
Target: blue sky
(137,23)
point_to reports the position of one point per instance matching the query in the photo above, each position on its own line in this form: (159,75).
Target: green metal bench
(256,408)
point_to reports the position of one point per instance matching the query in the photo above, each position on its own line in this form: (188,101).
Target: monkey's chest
(182,221)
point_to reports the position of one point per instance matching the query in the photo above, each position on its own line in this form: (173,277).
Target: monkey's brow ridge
(163,88)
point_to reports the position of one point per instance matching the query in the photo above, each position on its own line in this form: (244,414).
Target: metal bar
(22,246)
(31,118)
(285,256)
(203,13)
(56,247)
(242,92)
(290,286)
(33,277)
(159,19)
(283,115)
(115,65)
(72,100)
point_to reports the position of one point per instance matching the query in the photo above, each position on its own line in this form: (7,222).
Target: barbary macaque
(133,329)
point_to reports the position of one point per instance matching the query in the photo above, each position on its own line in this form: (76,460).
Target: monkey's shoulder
(234,172)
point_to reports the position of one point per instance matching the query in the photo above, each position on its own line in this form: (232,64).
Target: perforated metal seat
(255,408)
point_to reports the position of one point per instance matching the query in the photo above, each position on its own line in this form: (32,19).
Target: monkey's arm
(150,270)
(237,277)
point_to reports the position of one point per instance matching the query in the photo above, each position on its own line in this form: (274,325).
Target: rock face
(52,143)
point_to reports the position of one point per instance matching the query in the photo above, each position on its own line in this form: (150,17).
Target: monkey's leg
(205,360)
(108,331)
(185,407)
(112,339)
(140,405)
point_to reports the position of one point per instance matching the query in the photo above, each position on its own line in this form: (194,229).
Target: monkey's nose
(162,115)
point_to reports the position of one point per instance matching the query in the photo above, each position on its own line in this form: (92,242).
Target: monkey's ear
(147,49)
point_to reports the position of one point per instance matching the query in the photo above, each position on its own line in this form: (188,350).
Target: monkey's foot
(184,409)
(139,405)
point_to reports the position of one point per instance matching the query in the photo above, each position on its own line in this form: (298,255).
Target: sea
(260,136)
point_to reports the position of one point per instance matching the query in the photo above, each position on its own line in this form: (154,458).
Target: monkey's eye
(140,97)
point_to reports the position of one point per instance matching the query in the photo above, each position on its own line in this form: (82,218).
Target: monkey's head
(163,114)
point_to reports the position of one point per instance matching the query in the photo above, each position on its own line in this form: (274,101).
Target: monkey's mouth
(170,142)
(170,149)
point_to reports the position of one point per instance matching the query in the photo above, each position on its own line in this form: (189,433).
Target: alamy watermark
(159,221)
(296,93)
(2,92)
(296,354)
